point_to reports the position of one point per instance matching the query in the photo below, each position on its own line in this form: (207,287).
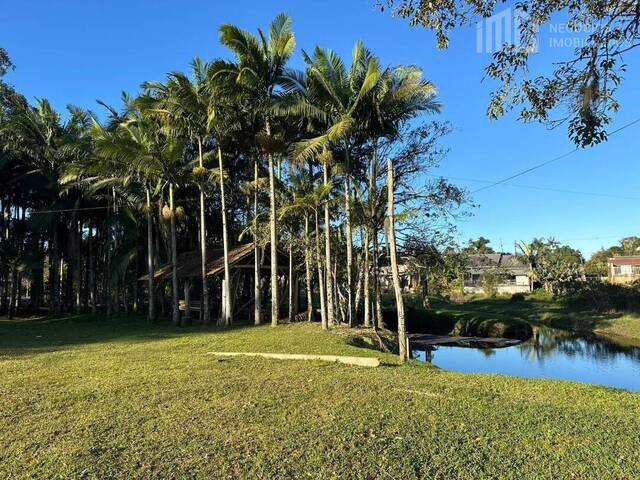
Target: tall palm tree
(261,71)
(186,107)
(400,95)
(47,144)
(304,201)
(530,252)
(139,151)
(339,92)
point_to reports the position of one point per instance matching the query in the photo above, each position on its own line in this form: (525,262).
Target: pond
(551,354)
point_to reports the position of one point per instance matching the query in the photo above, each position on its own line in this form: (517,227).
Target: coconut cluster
(180,213)
(200,174)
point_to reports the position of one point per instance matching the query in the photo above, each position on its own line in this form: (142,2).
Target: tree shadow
(28,336)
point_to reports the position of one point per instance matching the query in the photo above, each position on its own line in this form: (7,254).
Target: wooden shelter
(241,265)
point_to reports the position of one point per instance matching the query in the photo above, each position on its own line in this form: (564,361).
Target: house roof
(189,264)
(625,260)
(483,262)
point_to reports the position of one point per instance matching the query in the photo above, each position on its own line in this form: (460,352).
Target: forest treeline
(237,150)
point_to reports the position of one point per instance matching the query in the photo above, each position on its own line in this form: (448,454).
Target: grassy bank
(541,311)
(117,398)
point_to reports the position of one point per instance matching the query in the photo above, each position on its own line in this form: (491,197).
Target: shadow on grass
(25,336)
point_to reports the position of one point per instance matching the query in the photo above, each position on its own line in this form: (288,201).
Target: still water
(553,354)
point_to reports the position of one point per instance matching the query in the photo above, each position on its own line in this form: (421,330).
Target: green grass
(542,311)
(118,398)
(624,329)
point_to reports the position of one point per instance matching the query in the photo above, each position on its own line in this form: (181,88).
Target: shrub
(541,294)
(489,282)
(604,297)
(517,297)
(479,327)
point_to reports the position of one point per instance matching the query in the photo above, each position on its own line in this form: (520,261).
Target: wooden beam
(359,361)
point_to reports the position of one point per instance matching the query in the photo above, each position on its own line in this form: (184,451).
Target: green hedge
(479,327)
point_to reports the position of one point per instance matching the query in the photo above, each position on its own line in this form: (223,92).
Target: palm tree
(530,252)
(188,109)
(47,144)
(303,201)
(139,151)
(262,73)
(399,96)
(340,92)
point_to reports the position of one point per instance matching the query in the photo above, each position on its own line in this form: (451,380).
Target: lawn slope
(118,398)
(539,311)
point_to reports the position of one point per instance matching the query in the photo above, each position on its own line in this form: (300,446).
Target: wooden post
(186,318)
(402,340)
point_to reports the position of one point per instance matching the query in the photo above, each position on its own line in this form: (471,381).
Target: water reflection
(547,342)
(550,353)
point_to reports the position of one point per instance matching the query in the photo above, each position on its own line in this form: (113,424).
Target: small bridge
(426,341)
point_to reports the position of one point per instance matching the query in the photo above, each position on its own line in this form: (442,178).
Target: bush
(489,282)
(605,297)
(541,294)
(517,297)
(479,327)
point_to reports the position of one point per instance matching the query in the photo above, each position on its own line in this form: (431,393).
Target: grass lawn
(625,328)
(91,397)
(546,312)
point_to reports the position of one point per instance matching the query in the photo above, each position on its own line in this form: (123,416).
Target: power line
(543,164)
(109,207)
(535,187)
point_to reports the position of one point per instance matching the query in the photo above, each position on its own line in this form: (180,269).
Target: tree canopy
(579,91)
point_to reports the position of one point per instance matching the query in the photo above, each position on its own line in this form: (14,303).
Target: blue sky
(79,51)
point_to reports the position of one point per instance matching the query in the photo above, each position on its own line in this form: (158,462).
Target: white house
(513,273)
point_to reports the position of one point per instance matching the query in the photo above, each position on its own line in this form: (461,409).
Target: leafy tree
(74,190)
(597,264)
(478,246)
(490,281)
(559,266)
(584,86)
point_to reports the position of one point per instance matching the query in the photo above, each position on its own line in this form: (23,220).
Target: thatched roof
(239,257)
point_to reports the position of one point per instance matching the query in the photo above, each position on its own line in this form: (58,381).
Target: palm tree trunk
(257,303)
(13,301)
(379,320)
(55,272)
(92,272)
(175,312)
(327,248)
(307,265)
(151,296)
(227,314)
(349,233)
(291,280)
(339,305)
(367,293)
(530,277)
(69,284)
(321,282)
(186,318)
(358,297)
(77,267)
(206,315)
(273,238)
(402,335)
